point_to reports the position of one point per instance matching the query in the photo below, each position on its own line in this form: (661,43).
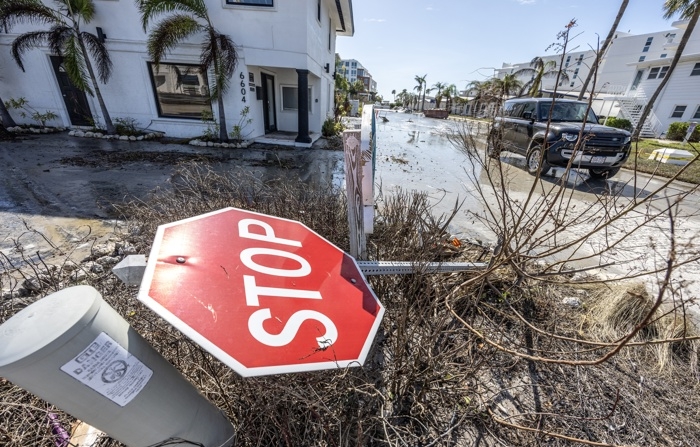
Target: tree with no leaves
(64,38)
(192,17)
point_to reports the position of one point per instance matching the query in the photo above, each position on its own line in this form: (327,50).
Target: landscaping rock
(132,138)
(124,138)
(103,249)
(79,133)
(571,301)
(32,284)
(108,260)
(78,275)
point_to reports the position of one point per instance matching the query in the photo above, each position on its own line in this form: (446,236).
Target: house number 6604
(243,89)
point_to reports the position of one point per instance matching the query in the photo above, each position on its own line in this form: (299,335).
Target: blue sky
(452,40)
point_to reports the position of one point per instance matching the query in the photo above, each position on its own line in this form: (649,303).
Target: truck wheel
(536,161)
(602,174)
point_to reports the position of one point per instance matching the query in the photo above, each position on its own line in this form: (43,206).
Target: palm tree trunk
(7,120)
(603,49)
(103,108)
(679,52)
(223,135)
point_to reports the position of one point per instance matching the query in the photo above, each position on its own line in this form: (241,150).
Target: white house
(629,73)
(285,46)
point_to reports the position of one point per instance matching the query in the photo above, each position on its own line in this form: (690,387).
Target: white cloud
(429,8)
(526,2)
(375,20)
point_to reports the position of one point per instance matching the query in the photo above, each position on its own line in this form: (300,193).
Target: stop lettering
(263,294)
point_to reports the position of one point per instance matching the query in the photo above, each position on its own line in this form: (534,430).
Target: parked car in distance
(522,127)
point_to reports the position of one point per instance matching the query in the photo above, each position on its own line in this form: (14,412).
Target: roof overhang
(342,14)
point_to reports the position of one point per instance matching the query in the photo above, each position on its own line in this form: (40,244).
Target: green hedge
(676,131)
(619,123)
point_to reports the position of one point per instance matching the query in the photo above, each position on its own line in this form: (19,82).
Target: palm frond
(27,11)
(686,8)
(220,52)
(152,8)
(26,42)
(526,87)
(525,72)
(99,53)
(58,35)
(84,9)
(74,63)
(228,54)
(168,33)
(553,74)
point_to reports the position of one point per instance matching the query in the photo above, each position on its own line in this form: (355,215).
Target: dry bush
(428,380)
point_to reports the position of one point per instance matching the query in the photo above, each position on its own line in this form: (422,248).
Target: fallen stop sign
(264,295)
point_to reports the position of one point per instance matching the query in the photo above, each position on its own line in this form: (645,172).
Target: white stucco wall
(278,40)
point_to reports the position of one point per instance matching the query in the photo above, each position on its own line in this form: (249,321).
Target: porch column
(303,102)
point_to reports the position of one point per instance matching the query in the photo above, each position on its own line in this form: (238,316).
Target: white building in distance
(352,70)
(284,46)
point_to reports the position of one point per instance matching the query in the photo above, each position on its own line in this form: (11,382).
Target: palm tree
(420,87)
(539,69)
(393,92)
(603,49)
(510,85)
(65,39)
(688,9)
(218,50)
(483,92)
(449,92)
(439,86)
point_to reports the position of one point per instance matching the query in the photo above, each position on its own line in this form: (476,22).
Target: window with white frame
(647,45)
(696,70)
(290,98)
(678,111)
(658,72)
(267,3)
(697,114)
(641,58)
(181,90)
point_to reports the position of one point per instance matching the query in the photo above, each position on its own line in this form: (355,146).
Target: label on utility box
(110,370)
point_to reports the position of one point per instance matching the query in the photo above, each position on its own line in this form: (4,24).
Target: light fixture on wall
(327,68)
(100,34)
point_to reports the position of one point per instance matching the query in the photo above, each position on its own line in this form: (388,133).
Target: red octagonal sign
(264,295)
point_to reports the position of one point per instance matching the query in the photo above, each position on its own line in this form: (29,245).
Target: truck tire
(536,160)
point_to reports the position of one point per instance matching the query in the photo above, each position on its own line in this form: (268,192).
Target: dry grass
(616,312)
(427,381)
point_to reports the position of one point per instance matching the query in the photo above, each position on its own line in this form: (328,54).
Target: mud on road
(57,192)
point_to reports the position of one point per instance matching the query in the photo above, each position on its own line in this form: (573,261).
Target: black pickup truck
(521,127)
